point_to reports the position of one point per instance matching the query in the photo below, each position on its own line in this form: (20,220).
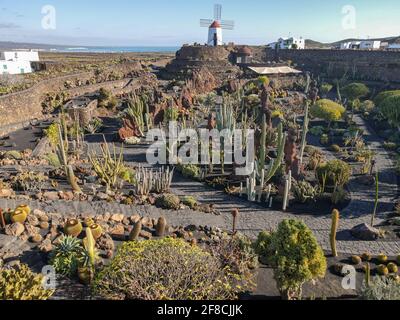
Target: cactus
(161,226)
(96,230)
(382,258)
(108,166)
(382,270)
(368,274)
(392,267)
(334,228)
(235,214)
(88,222)
(306,122)
(62,146)
(134,235)
(168,201)
(356,260)
(303,191)
(2,219)
(73,228)
(274,166)
(366,257)
(263,151)
(25,208)
(18,216)
(376,198)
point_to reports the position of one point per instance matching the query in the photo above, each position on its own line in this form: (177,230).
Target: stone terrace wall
(20,107)
(382,66)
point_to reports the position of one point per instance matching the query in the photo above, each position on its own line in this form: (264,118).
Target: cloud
(9,25)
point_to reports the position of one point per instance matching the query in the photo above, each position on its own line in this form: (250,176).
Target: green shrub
(190,171)
(355,91)
(385,94)
(298,258)
(326,88)
(52,134)
(337,173)
(390,109)
(20,283)
(167,269)
(327,110)
(263,245)
(381,288)
(263,80)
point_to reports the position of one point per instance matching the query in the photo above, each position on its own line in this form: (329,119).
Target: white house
(17,62)
(394,46)
(370,45)
(291,43)
(350,45)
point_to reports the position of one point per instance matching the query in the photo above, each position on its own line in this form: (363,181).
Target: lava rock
(365,232)
(15,229)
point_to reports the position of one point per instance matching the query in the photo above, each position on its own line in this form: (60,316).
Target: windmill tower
(215,27)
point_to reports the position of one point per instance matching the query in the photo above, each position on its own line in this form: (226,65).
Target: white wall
(15,67)
(370,45)
(211,33)
(19,55)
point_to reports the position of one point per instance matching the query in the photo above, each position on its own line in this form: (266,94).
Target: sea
(117,49)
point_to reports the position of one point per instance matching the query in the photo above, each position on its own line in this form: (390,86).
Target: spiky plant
(67,256)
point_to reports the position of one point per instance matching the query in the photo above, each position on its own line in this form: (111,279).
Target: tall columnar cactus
(161,227)
(334,228)
(134,235)
(376,198)
(306,122)
(62,148)
(274,166)
(263,141)
(368,274)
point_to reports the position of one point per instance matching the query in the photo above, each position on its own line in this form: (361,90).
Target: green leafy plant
(355,91)
(327,110)
(67,256)
(20,283)
(298,258)
(167,269)
(337,172)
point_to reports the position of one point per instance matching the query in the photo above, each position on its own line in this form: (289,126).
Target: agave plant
(67,256)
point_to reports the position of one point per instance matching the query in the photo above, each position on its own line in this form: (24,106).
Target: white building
(370,45)
(349,45)
(17,62)
(289,43)
(394,46)
(215,34)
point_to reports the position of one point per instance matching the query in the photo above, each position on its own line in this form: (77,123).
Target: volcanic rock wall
(193,58)
(381,66)
(18,108)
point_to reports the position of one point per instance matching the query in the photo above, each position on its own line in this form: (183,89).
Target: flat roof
(274,70)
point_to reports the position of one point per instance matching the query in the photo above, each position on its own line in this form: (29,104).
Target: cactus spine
(161,226)
(134,235)
(334,228)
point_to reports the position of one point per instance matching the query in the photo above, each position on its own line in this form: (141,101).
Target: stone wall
(20,107)
(380,66)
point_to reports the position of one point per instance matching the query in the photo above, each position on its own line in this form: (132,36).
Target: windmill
(215,26)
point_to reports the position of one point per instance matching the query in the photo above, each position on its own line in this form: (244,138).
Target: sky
(176,22)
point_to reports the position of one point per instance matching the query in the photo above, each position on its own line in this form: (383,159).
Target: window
(4,66)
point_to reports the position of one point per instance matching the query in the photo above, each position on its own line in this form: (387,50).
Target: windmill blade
(227,24)
(206,22)
(217,12)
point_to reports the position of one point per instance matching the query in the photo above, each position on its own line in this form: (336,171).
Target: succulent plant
(335,148)
(356,260)
(18,216)
(382,270)
(134,235)
(190,201)
(303,191)
(168,201)
(97,230)
(88,222)
(366,257)
(334,228)
(67,256)
(73,228)
(25,208)
(392,267)
(161,226)
(382,258)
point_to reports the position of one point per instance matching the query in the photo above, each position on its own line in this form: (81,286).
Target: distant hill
(311,44)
